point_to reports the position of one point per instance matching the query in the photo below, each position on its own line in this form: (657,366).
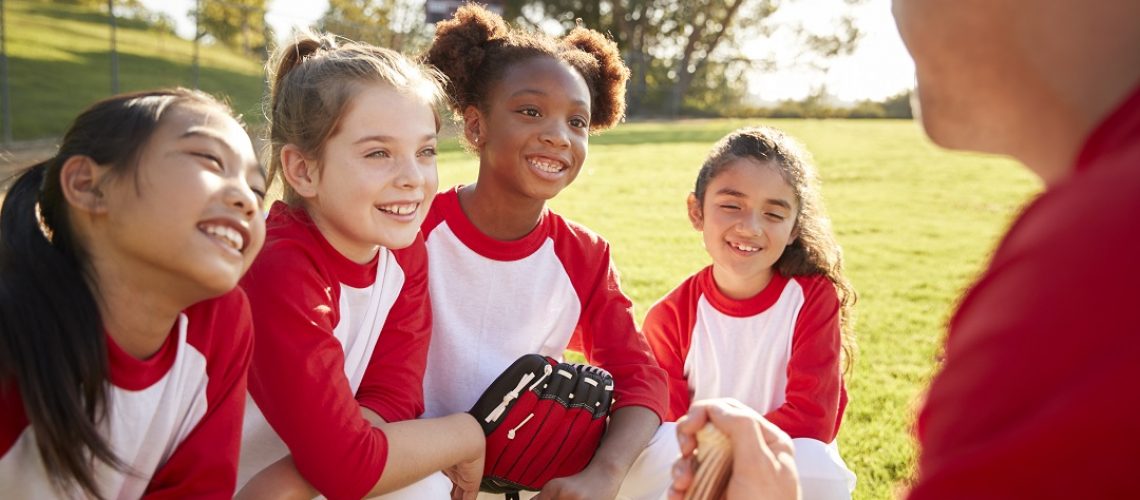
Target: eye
(775,216)
(428,152)
(378,154)
(531,112)
(730,208)
(216,162)
(259,192)
(579,122)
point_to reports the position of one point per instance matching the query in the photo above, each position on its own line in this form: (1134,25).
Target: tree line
(686,58)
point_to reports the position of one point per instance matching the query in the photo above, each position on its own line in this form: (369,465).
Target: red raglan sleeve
(205,464)
(297,376)
(815,383)
(668,329)
(393,383)
(609,338)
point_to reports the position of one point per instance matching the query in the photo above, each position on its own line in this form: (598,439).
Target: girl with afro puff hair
(508,276)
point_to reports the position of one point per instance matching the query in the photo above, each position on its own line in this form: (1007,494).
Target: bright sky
(880,66)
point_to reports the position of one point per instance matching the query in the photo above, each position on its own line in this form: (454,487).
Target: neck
(133,314)
(356,251)
(738,287)
(499,214)
(1087,59)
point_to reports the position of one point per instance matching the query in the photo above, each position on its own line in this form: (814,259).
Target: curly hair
(314,79)
(475,48)
(814,252)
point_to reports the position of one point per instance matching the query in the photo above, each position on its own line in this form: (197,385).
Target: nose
(242,198)
(410,176)
(556,135)
(751,224)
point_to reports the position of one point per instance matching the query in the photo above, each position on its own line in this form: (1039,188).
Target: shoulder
(444,205)
(222,326)
(413,259)
(816,288)
(568,233)
(679,301)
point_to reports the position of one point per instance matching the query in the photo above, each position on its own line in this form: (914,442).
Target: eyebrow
(771,201)
(537,92)
(388,138)
(208,134)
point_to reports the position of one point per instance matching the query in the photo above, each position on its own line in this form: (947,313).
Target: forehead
(183,119)
(379,109)
(545,74)
(753,178)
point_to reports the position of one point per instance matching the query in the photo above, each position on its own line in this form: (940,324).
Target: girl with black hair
(123,340)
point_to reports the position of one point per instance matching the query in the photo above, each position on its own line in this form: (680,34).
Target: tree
(238,23)
(683,38)
(396,24)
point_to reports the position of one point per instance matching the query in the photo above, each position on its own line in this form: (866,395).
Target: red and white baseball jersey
(554,289)
(174,419)
(333,336)
(777,352)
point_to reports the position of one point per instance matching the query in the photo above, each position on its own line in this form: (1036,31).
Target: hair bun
(460,47)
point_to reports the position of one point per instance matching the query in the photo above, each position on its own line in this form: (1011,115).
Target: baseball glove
(543,419)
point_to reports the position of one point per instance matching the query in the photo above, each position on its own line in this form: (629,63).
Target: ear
(80,179)
(473,129)
(299,171)
(696,213)
(795,234)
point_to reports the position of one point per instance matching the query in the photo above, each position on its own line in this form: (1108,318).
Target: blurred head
(353,131)
(757,203)
(1024,78)
(528,101)
(160,189)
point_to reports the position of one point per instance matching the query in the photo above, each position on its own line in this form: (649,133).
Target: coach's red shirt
(1038,396)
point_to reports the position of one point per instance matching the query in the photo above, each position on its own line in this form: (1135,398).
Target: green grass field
(916,224)
(59,62)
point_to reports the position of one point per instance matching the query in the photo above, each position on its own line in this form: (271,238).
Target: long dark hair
(52,345)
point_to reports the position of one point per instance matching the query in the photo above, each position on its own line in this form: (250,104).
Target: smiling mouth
(399,208)
(226,235)
(743,248)
(546,165)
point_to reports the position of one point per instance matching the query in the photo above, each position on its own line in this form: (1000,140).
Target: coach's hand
(763,463)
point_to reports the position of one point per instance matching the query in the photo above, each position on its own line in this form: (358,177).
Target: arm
(610,339)
(297,377)
(392,386)
(424,446)
(205,464)
(815,384)
(669,339)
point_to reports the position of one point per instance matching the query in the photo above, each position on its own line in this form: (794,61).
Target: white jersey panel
(507,309)
(744,358)
(144,428)
(363,312)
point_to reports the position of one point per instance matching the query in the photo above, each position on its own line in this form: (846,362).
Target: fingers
(682,478)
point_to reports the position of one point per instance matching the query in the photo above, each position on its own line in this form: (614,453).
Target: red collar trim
(484,245)
(134,374)
(741,308)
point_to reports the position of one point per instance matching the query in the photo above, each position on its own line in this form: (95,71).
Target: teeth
(742,247)
(399,209)
(546,165)
(227,234)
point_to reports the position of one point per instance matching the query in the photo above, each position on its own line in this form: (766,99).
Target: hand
(465,478)
(763,462)
(593,482)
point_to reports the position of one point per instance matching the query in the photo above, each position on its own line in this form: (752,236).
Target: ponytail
(51,336)
(52,344)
